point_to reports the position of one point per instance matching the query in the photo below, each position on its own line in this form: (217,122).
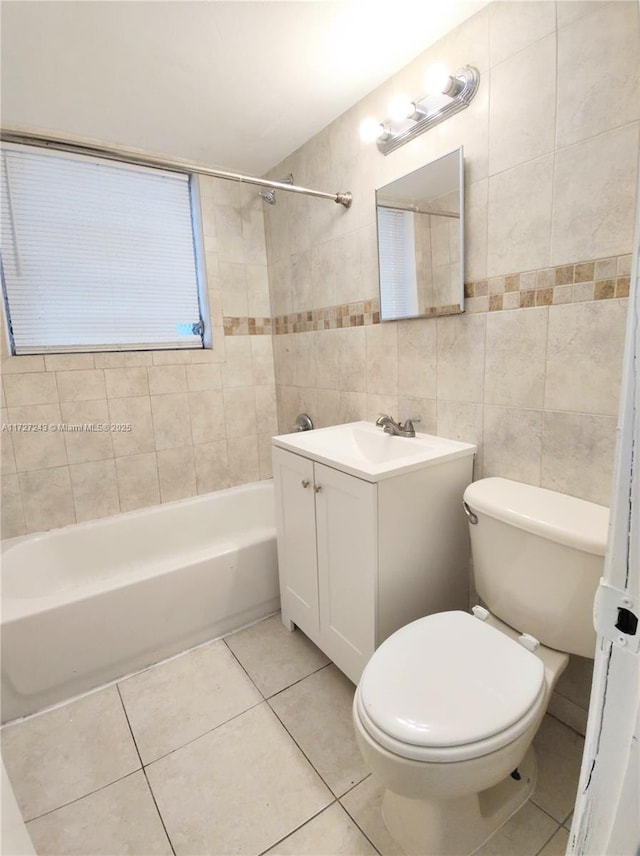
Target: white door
(346,517)
(607,815)
(296,525)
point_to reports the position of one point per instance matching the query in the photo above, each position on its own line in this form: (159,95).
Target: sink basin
(363,450)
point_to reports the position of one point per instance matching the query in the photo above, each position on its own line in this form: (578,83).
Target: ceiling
(232,84)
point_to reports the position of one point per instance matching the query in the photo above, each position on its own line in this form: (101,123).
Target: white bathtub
(92,602)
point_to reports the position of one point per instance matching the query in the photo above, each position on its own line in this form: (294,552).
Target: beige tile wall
(201,420)
(551,151)
(551,170)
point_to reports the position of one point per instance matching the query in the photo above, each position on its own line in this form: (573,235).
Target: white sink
(362,449)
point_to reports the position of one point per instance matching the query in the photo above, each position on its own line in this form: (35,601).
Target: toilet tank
(537,560)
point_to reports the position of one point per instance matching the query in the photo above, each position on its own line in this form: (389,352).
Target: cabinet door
(295,521)
(347,567)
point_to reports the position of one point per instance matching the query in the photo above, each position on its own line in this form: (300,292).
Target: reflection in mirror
(421,241)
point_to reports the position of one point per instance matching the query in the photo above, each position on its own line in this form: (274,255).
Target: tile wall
(531,371)
(201,420)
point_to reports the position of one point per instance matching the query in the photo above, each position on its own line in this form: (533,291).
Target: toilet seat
(449,687)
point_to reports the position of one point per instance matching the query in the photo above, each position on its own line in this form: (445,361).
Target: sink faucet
(390,426)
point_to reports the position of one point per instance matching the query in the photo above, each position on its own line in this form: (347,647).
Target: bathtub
(89,603)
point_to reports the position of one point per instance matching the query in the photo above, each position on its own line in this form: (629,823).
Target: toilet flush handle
(473,518)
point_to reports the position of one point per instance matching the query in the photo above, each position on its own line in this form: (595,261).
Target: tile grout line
(353,819)
(264,699)
(82,797)
(562,722)
(233,654)
(204,734)
(298,681)
(337,799)
(142,767)
(544,398)
(311,764)
(357,825)
(553,834)
(544,810)
(153,797)
(293,739)
(144,772)
(277,692)
(293,831)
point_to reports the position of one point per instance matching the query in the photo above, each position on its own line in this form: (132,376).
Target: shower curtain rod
(140,159)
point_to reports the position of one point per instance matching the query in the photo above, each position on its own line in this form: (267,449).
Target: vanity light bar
(457,93)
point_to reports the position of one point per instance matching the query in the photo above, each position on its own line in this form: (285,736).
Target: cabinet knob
(317,488)
(305,482)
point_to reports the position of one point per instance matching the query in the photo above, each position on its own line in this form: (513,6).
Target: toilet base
(459,826)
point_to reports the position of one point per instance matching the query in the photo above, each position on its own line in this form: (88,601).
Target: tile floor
(243,746)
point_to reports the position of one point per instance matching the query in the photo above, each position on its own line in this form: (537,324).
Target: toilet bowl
(445,757)
(447,708)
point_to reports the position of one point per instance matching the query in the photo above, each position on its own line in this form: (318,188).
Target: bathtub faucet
(303,423)
(390,426)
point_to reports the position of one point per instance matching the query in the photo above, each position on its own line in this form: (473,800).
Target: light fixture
(371,130)
(447,94)
(437,78)
(402,107)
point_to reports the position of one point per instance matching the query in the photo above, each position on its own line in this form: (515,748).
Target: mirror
(421,241)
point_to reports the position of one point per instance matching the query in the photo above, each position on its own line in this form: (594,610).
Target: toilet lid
(447,680)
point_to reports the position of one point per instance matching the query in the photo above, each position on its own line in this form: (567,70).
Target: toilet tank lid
(556,516)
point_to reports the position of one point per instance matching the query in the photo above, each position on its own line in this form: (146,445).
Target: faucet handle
(382,417)
(408,428)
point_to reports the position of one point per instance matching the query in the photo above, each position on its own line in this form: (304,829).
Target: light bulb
(401,107)
(370,130)
(436,80)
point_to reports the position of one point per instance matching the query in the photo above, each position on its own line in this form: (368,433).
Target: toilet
(447,707)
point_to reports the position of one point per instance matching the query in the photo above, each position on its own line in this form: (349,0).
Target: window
(397,258)
(97,255)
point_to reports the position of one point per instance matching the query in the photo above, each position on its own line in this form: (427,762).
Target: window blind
(96,255)
(397,257)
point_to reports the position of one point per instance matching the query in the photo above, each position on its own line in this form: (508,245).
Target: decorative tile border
(247,326)
(601,279)
(359,314)
(330,318)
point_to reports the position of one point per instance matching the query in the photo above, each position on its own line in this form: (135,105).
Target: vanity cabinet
(327,553)
(360,558)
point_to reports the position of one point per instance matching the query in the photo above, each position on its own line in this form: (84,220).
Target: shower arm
(138,158)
